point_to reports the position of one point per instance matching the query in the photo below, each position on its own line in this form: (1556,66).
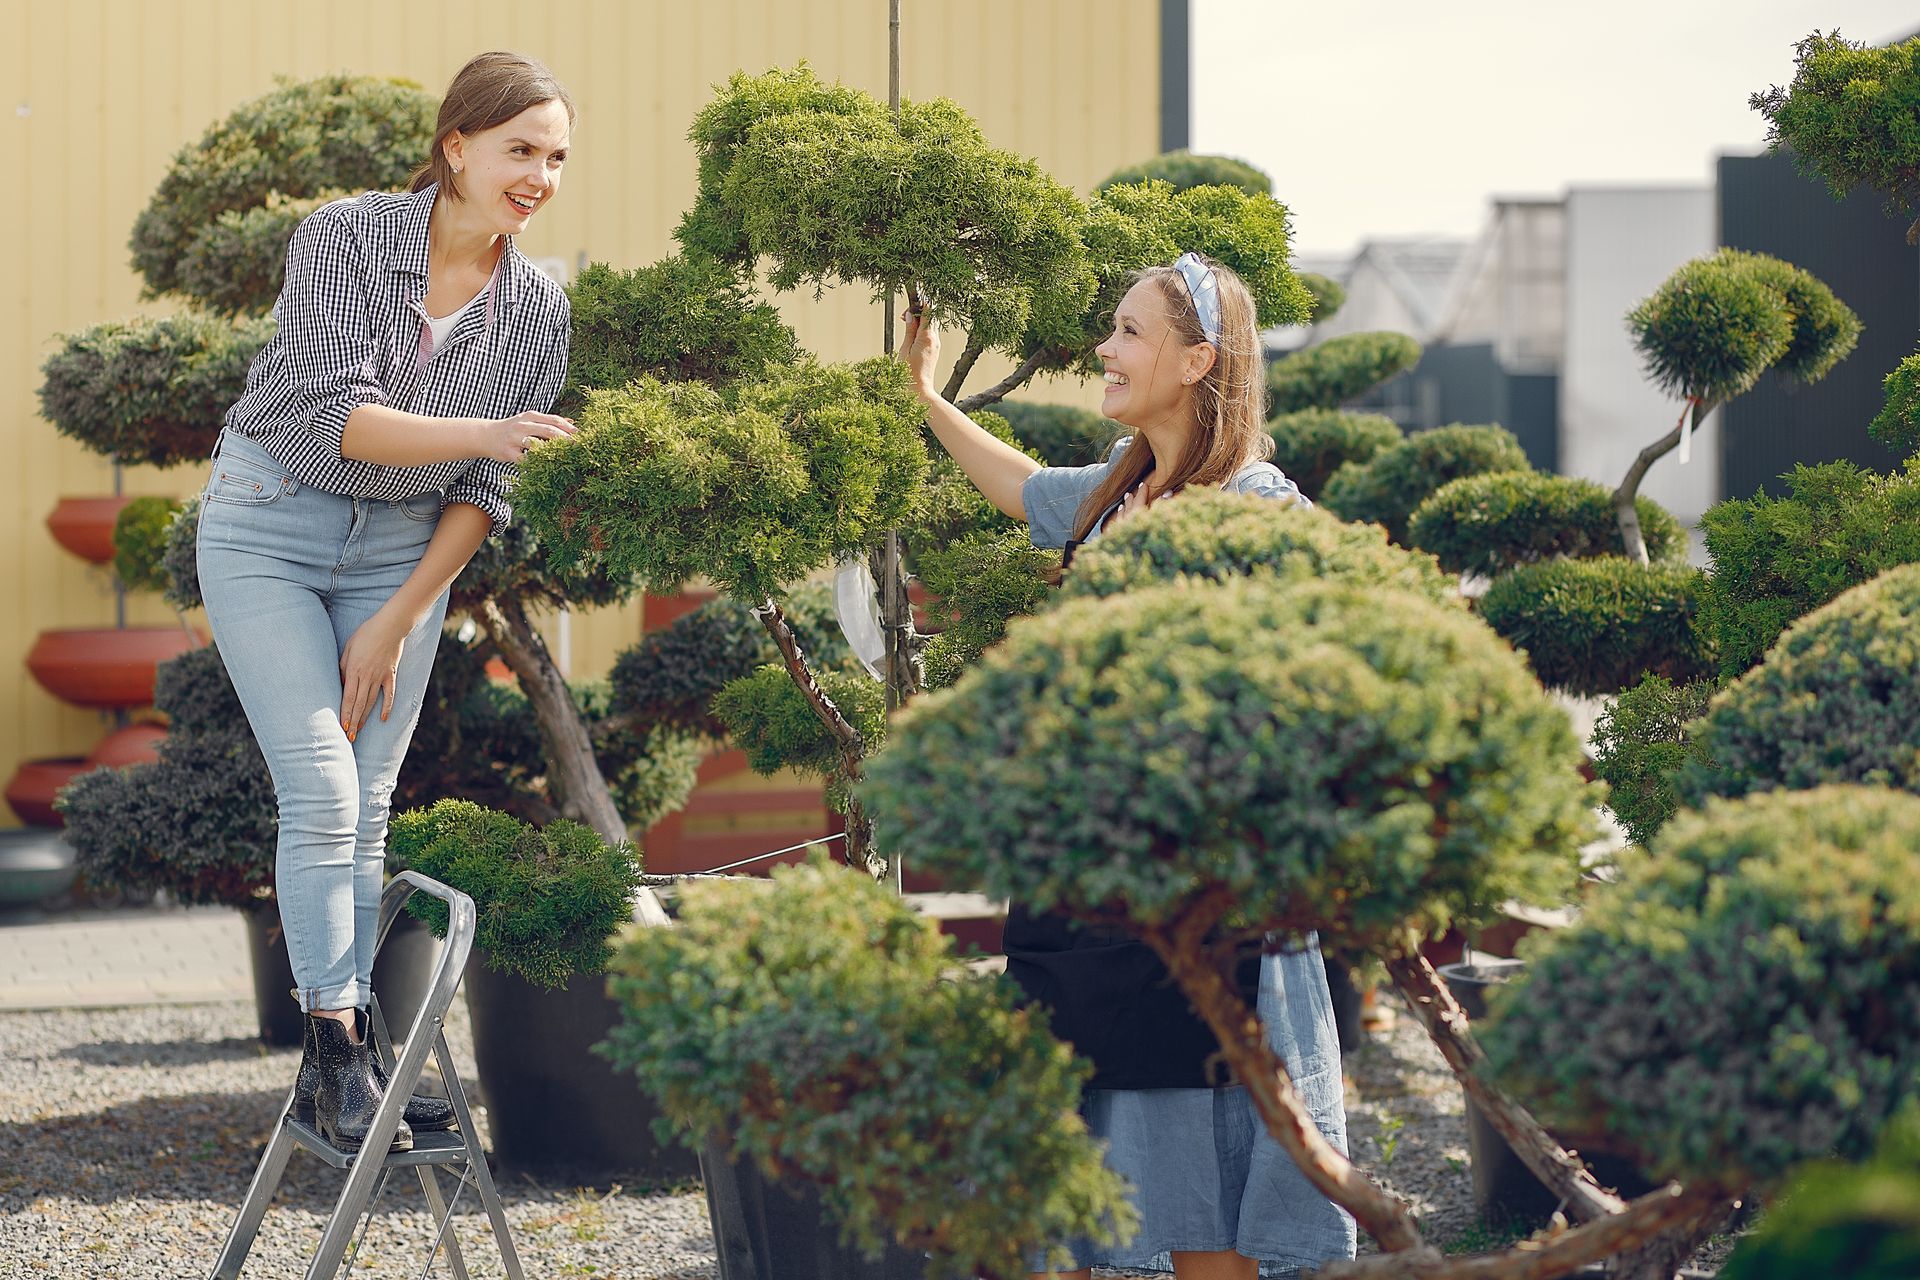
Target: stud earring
(456,168)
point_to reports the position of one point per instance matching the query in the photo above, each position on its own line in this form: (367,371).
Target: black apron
(1114,1001)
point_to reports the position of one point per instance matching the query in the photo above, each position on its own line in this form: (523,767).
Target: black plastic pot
(1504,1189)
(765,1230)
(402,972)
(281,1022)
(556,1109)
(1346,1004)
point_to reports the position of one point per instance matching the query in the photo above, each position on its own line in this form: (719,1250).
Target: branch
(847,741)
(1006,386)
(1624,510)
(1446,1022)
(962,367)
(1243,1043)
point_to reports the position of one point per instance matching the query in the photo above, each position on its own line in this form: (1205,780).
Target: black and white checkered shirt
(350,333)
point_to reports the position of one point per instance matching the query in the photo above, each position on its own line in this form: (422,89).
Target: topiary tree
(1311,444)
(1331,373)
(1776,559)
(1593,627)
(1848,116)
(829,1031)
(1329,295)
(1708,333)
(1640,742)
(1837,700)
(1495,521)
(1388,487)
(1743,1001)
(1183,169)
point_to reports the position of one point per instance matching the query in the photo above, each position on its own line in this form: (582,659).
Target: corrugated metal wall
(103,92)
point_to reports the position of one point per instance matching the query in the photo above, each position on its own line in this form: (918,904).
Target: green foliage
(1777,559)
(1311,444)
(1329,374)
(1329,295)
(1825,329)
(1837,700)
(150,391)
(335,135)
(951,506)
(1897,426)
(755,486)
(981,582)
(820,182)
(1744,999)
(1183,169)
(548,899)
(1640,742)
(140,543)
(683,319)
(771,720)
(830,1033)
(1487,523)
(1060,435)
(1849,115)
(1596,626)
(1326,756)
(1209,534)
(1861,1222)
(180,559)
(1387,488)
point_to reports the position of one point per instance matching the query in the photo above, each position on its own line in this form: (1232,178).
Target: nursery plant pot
(135,744)
(105,667)
(84,526)
(765,1229)
(1346,1004)
(554,1107)
(402,972)
(35,784)
(1504,1189)
(35,864)
(281,1022)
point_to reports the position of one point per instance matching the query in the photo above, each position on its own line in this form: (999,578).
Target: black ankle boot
(345,1093)
(425,1113)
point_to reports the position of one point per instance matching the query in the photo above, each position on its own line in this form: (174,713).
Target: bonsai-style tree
(1496,521)
(1388,487)
(1708,333)
(1310,445)
(1593,627)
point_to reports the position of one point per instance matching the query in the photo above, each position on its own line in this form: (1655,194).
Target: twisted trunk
(1624,498)
(1006,386)
(847,741)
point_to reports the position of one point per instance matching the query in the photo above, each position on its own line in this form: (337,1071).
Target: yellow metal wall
(103,92)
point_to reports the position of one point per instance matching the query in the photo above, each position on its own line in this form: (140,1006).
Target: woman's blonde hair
(490,90)
(1227,402)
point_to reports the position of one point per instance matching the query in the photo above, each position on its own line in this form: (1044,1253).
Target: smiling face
(509,171)
(1150,368)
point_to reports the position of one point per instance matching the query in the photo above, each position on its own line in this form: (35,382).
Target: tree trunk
(1624,498)
(1007,385)
(851,747)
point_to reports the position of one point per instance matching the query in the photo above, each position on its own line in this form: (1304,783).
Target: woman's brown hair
(1227,401)
(490,90)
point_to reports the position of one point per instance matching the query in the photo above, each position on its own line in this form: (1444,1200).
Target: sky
(1391,118)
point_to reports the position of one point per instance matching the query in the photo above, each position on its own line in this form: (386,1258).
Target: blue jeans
(288,573)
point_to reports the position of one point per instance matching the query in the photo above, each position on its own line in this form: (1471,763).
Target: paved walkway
(131,956)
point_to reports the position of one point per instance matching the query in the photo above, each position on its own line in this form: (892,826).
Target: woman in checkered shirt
(416,356)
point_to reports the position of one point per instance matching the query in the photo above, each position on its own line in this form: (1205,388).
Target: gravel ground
(127,1137)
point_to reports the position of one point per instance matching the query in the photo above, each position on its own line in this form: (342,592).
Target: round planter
(768,1230)
(84,526)
(105,667)
(31,791)
(554,1107)
(402,972)
(135,744)
(281,1022)
(35,864)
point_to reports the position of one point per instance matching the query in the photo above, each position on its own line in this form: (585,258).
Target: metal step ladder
(456,1152)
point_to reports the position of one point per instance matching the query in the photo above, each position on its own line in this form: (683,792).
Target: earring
(456,168)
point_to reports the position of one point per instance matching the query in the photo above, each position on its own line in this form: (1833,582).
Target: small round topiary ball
(1215,535)
(1837,699)
(1353,759)
(1744,999)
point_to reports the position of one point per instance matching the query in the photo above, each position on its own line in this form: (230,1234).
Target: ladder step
(442,1147)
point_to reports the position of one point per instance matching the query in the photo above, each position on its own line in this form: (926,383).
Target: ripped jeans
(288,573)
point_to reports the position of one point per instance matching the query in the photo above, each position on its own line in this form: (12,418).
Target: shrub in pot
(1596,626)
(1311,444)
(1489,523)
(1387,488)
(833,1037)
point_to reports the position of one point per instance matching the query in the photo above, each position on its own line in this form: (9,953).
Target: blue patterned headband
(1204,288)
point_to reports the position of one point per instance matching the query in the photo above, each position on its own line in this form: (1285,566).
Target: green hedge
(831,1036)
(1596,626)
(1183,169)
(1060,435)
(1327,375)
(1640,743)
(1387,488)
(1311,444)
(1487,523)
(1744,999)
(1348,758)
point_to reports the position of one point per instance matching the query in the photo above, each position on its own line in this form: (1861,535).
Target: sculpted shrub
(1329,374)
(1058,434)
(1311,444)
(1744,999)
(1596,626)
(1183,169)
(829,1033)
(1897,425)
(1487,523)
(1388,488)
(981,582)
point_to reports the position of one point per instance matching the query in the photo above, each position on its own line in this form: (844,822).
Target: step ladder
(456,1152)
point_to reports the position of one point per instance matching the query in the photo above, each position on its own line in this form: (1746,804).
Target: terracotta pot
(135,744)
(36,782)
(107,667)
(84,526)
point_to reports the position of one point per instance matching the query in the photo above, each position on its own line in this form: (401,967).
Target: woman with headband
(1218,1198)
